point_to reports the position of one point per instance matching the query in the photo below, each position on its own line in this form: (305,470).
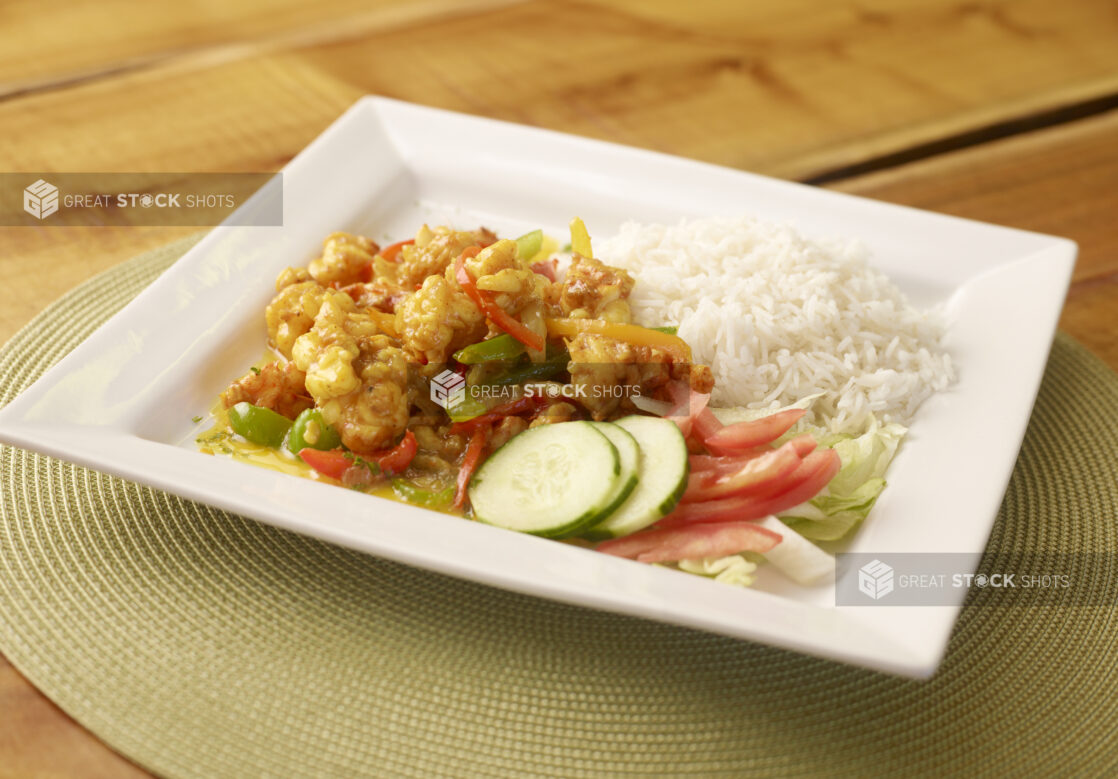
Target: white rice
(779,317)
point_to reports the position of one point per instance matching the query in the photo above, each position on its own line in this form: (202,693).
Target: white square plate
(123,400)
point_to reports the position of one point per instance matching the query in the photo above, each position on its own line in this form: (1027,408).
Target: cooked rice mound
(779,317)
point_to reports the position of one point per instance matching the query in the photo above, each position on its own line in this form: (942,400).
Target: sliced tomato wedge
(692,542)
(804,471)
(742,436)
(705,424)
(803,444)
(470,461)
(753,475)
(495,313)
(769,488)
(822,467)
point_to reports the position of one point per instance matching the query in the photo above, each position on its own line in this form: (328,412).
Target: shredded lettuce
(733,569)
(851,494)
(855,488)
(829,518)
(733,414)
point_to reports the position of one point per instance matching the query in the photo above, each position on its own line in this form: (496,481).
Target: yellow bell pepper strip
(580,238)
(634,334)
(488,307)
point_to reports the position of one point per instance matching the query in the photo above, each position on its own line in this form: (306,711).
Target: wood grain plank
(787,89)
(37,739)
(71,42)
(1062,181)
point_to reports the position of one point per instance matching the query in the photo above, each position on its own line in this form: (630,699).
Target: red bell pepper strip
(470,461)
(822,467)
(510,409)
(392,251)
(692,542)
(495,313)
(398,458)
(330,462)
(335,462)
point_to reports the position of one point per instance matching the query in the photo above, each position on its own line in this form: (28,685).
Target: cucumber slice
(553,480)
(629,458)
(662,476)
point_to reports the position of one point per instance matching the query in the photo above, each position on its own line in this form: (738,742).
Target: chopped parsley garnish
(360,462)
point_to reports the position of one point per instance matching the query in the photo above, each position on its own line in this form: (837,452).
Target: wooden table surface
(1000,111)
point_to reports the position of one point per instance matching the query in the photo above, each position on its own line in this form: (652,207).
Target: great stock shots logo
(122,199)
(448,388)
(875,579)
(40,199)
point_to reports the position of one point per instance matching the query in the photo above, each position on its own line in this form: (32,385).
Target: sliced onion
(651,405)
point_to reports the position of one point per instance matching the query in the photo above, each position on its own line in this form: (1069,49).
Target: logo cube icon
(875,579)
(40,199)
(448,388)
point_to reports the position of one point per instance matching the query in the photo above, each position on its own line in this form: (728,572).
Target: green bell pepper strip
(537,371)
(420,497)
(466,408)
(310,429)
(500,347)
(529,244)
(259,425)
(669,329)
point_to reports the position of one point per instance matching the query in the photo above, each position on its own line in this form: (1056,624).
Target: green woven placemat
(199,643)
